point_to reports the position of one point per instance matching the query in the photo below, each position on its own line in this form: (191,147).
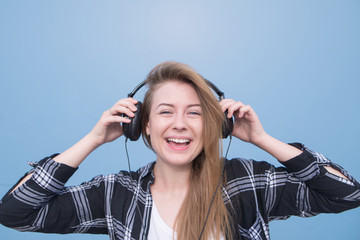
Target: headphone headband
(137,88)
(216,90)
(210,84)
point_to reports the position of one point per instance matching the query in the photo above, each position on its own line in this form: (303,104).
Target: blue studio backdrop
(62,63)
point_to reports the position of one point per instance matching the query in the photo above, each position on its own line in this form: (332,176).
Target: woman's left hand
(247,126)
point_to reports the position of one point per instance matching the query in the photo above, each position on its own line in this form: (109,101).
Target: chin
(176,161)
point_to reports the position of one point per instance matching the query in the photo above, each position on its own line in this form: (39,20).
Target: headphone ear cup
(228,126)
(132,130)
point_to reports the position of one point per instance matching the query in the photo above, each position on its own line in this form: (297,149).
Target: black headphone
(132,130)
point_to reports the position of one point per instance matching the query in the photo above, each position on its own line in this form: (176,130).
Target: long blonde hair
(206,168)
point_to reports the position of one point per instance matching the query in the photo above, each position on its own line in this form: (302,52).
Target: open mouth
(178,142)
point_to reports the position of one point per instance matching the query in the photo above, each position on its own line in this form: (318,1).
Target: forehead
(175,92)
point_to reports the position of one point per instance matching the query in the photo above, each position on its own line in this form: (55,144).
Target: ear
(147,129)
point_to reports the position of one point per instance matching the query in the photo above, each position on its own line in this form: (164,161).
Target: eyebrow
(172,105)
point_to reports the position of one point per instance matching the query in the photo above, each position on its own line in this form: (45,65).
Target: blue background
(62,63)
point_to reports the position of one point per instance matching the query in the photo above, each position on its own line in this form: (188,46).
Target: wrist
(94,140)
(261,139)
(278,149)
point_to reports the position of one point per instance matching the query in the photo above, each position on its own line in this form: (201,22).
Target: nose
(179,122)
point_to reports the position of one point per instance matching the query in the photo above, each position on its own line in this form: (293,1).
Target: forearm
(278,149)
(76,154)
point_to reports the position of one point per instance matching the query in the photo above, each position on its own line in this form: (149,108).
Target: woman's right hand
(109,126)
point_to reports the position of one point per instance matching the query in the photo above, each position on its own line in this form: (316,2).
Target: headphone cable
(217,187)
(128,160)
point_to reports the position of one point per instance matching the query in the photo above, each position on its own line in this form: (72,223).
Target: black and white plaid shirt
(120,204)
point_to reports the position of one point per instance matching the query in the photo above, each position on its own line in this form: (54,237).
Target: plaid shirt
(120,204)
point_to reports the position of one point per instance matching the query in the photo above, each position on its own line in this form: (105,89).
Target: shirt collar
(147,170)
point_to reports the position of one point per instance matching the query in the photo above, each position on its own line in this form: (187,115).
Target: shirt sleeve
(305,188)
(43,204)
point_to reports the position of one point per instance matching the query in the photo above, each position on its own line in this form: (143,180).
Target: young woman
(172,197)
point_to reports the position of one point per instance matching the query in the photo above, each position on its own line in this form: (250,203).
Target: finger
(124,106)
(118,119)
(226,103)
(133,100)
(129,103)
(247,109)
(109,119)
(119,110)
(231,105)
(126,100)
(235,107)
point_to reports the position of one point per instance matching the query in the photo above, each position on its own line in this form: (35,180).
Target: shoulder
(122,179)
(239,167)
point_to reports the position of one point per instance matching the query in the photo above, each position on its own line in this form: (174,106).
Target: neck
(172,178)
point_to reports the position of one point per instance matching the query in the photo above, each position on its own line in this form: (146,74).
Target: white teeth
(177,140)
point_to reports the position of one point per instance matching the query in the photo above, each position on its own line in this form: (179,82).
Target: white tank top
(159,229)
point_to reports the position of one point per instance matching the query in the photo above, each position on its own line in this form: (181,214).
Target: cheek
(155,128)
(150,125)
(200,128)
(201,134)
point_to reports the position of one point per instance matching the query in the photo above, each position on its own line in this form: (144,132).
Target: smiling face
(175,124)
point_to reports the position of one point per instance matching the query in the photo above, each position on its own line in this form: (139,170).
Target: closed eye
(194,113)
(165,112)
